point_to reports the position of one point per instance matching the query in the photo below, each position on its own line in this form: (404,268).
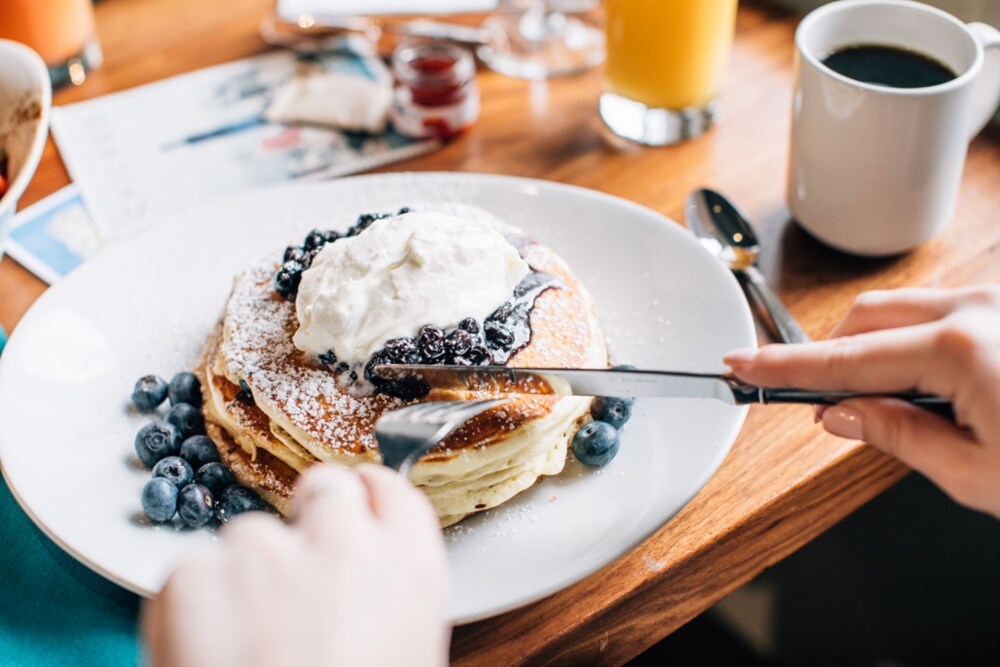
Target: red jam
(435,95)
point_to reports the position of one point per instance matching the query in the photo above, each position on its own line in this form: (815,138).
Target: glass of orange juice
(665,64)
(61,31)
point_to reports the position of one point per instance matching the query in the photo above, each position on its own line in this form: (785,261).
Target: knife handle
(939,406)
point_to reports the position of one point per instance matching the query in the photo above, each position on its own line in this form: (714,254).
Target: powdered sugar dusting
(258,349)
(329,422)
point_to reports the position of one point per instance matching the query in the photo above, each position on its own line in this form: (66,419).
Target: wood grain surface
(785,481)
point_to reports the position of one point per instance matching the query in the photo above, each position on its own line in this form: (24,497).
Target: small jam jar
(435,94)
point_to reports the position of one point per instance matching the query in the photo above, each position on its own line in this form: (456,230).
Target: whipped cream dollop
(398,275)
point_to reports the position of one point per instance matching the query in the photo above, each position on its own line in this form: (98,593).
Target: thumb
(929,444)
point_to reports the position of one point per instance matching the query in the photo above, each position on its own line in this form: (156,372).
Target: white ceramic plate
(147,304)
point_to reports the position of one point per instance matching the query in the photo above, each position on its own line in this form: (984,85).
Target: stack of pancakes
(274,410)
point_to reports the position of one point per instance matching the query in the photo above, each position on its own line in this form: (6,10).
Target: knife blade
(570,382)
(631,383)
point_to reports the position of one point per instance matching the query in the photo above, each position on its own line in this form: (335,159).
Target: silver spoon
(724,232)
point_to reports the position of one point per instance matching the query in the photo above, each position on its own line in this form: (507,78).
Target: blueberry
(159,499)
(365,221)
(378,359)
(195,505)
(215,477)
(199,450)
(287,279)
(235,500)
(244,395)
(501,314)
(431,341)
(459,342)
(314,240)
(596,443)
(328,358)
(185,388)
(155,441)
(175,470)
(293,253)
(615,411)
(149,392)
(624,367)
(403,351)
(187,419)
(479,355)
(307,260)
(407,389)
(498,334)
(469,324)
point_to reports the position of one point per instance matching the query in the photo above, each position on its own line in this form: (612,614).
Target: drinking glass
(61,31)
(542,41)
(665,64)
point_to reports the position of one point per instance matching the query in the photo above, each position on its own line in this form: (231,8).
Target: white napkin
(290,10)
(343,101)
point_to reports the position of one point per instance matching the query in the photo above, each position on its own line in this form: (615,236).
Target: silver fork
(406,434)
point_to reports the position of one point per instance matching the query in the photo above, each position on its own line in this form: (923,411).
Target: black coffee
(888,66)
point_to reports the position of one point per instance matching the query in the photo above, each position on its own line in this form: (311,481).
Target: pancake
(296,413)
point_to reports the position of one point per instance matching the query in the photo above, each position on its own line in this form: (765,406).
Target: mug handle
(988,86)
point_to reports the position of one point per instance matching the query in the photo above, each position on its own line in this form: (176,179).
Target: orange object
(668,54)
(57,29)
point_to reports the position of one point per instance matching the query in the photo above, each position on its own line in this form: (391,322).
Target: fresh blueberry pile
(598,441)
(188,478)
(298,258)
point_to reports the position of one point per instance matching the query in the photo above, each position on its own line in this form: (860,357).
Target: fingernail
(329,481)
(740,358)
(845,422)
(818,413)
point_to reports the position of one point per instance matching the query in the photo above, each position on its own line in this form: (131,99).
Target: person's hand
(943,342)
(357,578)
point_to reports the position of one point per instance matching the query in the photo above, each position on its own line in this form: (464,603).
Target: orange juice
(668,54)
(57,29)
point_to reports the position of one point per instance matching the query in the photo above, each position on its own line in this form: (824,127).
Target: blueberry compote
(471,343)
(496,340)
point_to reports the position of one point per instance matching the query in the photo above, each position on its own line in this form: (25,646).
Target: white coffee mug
(875,170)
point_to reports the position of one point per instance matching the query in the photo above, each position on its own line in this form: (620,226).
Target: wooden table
(785,481)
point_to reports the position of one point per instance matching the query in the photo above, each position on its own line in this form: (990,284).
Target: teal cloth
(53,610)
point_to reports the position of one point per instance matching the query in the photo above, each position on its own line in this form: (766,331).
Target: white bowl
(25,100)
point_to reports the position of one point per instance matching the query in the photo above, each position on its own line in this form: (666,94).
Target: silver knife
(631,383)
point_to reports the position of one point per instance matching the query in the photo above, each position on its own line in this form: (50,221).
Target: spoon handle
(787,328)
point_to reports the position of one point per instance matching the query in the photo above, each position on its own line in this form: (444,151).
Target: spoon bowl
(722,229)
(727,234)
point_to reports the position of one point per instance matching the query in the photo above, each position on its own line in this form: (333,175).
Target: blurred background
(967,10)
(910,579)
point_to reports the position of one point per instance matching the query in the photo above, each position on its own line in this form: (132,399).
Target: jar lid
(432,63)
